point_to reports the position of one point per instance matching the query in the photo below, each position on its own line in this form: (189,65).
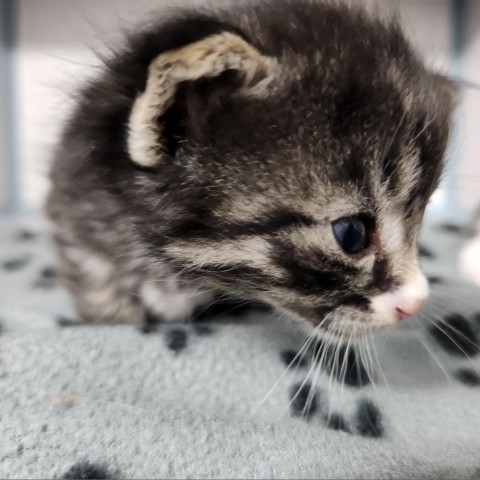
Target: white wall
(4,151)
(57,39)
(466,177)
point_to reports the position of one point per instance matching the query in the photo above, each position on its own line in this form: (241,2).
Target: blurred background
(48,47)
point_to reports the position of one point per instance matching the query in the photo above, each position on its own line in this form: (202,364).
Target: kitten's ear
(196,73)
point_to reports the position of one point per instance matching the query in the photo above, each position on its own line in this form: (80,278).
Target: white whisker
(311,336)
(430,351)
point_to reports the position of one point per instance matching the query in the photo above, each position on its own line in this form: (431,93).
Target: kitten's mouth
(353,330)
(344,323)
(342,329)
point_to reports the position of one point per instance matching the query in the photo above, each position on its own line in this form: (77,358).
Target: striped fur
(260,133)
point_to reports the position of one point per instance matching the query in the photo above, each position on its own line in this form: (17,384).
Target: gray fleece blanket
(216,399)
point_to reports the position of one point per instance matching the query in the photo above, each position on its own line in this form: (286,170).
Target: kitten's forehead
(384,147)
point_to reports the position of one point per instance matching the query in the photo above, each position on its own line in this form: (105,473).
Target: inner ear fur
(223,55)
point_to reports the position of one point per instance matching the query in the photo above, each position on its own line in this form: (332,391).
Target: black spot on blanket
(15,263)
(25,235)
(368,420)
(177,339)
(48,273)
(455,335)
(203,330)
(451,228)
(292,358)
(425,252)
(435,280)
(151,323)
(356,375)
(344,364)
(147,328)
(468,377)
(46,278)
(303,400)
(86,470)
(337,422)
(44,283)
(66,321)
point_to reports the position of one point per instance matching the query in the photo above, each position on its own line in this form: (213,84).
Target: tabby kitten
(279,152)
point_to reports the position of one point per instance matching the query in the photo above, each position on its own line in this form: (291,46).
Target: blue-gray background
(47,47)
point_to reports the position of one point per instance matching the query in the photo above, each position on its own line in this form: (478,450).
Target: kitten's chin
(347,325)
(343,324)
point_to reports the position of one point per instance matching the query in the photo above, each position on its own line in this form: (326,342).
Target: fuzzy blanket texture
(216,400)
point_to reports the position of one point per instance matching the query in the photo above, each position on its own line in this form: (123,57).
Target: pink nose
(405,312)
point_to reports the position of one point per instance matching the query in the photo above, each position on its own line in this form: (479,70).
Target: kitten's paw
(166,301)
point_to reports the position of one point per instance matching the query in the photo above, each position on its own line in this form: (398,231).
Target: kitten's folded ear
(183,84)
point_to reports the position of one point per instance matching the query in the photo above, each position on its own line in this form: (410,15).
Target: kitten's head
(296,167)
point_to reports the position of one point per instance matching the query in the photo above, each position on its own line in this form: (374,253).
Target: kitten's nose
(406,311)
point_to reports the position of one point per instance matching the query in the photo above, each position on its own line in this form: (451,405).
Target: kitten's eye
(352,233)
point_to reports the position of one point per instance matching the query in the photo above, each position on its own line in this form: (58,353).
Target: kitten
(280,152)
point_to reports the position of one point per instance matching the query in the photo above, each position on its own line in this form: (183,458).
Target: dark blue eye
(352,233)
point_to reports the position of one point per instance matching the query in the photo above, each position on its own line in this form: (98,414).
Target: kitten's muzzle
(402,302)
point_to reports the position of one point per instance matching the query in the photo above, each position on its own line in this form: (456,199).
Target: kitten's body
(215,151)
